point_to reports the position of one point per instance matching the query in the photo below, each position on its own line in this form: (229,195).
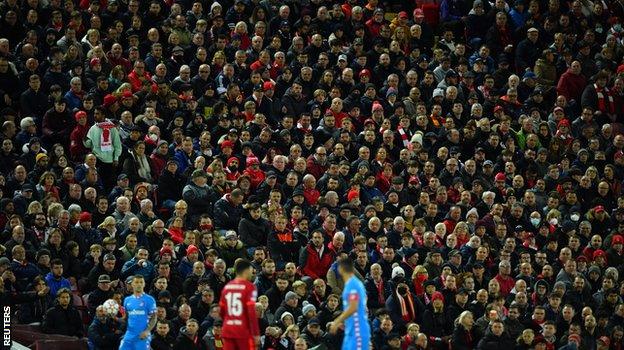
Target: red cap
(498,109)
(252,160)
(581,258)
(268,86)
(365,72)
(85,217)
(165,250)
(597,253)
(231,159)
(227,143)
(127,94)
(418,13)
(109,100)
(558,109)
(575,337)
(369,121)
(605,340)
(80,114)
(377,106)
(620,69)
(94,61)
(599,209)
(413,180)
(403,14)
(437,295)
(352,195)
(617,239)
(618,155)
(191,249)
(563,122)
(499,177)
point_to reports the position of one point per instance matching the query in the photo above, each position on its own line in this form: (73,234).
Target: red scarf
(403,135)
(419,281)
(407,307)
(380,291)
(603,97)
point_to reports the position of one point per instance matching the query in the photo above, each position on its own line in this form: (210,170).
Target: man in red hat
(615,254)
(603,343)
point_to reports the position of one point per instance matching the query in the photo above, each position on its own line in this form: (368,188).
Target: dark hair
(241,266)
(346,264)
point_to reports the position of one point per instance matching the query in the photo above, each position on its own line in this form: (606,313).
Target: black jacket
(254,233)
(63,321)
(162,343)
(492,342)
(102,335)
(463,339)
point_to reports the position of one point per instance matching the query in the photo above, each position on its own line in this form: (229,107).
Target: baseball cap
(104,279)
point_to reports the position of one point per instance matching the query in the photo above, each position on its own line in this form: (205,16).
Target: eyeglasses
(204,71)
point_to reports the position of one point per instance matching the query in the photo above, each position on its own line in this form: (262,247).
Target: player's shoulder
(149,298)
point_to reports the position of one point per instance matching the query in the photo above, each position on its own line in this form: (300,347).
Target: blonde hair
(109,220)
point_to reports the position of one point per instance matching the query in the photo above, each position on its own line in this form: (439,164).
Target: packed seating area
(468,156)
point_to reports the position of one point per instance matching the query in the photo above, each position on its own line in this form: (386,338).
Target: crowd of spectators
(467,155)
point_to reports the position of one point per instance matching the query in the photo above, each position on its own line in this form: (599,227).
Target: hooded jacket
(254,233)
(185,341)
(226,214)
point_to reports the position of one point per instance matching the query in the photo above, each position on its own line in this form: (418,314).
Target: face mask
(153,137)
(574,217)
(232,168)
(553,221)
(535,221)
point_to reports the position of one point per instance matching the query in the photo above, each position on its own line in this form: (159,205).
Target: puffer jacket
(254,233)
(226,215)
(198,200)
(546,72)
(315,265)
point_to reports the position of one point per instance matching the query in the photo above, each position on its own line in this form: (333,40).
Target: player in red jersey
(238,310)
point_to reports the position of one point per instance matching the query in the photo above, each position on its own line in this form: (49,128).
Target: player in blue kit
(140,317)
(355,315)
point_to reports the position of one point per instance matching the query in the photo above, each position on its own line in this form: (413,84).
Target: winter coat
(437,324)
(63,321)
(102,335)
(464,339)
(254,233)
(492,342)
(314,265)
(198,200)
(226,215)
(283,247)
(231,254)
(184,342)
(571,85)
(170,186)
(546,72)
(56,284)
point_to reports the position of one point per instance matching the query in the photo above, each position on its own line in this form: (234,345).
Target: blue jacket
(24,274)
(185,268)
(56,284)
(131,268)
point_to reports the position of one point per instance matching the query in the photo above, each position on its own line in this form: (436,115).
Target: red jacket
(311,195)
(571,85)
(315,265)
(314,168)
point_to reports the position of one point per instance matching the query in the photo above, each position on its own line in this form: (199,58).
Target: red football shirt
(238,309)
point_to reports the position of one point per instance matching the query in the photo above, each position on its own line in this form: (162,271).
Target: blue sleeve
(150,305)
